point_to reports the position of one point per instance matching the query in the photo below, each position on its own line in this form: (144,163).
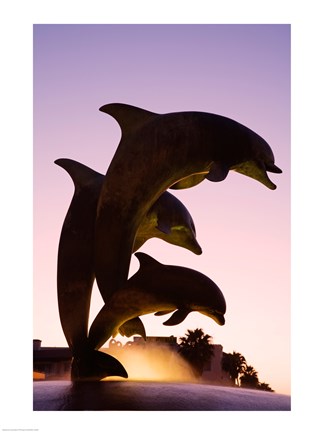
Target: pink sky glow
(239,71)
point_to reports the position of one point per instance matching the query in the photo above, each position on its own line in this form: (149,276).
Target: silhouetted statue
(112,216)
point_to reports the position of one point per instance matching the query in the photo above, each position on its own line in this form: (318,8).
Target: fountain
(109,218)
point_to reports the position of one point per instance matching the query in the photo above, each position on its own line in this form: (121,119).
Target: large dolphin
(168,219)
(156,152)
(158,288)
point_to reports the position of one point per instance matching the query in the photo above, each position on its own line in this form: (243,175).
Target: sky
(238,71)
(24,219)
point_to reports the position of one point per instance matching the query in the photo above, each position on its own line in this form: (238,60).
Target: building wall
(213,369)
(51,362)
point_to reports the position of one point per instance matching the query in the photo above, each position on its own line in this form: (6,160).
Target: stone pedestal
(152,396)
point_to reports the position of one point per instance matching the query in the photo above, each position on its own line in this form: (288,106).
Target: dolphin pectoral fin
(128,117)
(133,327)
(177,317)
(218,172)
(189,182)
(165,312)
(96,365)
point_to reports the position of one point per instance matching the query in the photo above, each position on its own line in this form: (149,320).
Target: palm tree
(196,348)
(235,365)
(250,378)
(265,387)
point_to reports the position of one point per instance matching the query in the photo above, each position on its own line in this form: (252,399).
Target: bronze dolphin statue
(156,152)
(158,288)
(168,219)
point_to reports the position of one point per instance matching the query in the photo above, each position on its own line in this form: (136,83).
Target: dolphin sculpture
(158,288)
(157,152)
(168,219)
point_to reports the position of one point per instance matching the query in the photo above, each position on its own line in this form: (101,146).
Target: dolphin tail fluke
(96,365)
(133,327)
(80,174)
(128,117)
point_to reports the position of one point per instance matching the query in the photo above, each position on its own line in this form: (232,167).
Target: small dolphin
(156,152)
(158,288)
(168,219)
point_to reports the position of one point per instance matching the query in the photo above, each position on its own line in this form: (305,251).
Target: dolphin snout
(258,171)
(195,248)
(198,250)
(269,184)
(220,319)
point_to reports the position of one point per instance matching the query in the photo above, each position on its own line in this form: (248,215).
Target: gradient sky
(239,71)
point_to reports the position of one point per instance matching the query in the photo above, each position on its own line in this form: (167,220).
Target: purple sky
(239,71)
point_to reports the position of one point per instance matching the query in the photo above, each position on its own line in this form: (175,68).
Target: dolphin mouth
(273,168)
(257,172)
(218,317)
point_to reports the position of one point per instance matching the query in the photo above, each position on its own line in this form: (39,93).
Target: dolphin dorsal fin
(80,174)
(128,117)
(146,260)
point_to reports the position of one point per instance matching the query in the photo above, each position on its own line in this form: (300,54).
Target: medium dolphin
(158,288)
(168,219)
(156,152)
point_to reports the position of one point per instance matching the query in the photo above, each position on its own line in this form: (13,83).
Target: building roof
(52,354)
